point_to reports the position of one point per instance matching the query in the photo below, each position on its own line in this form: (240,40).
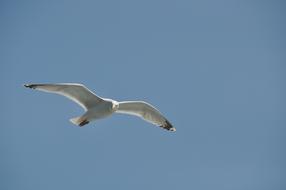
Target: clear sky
(216,69)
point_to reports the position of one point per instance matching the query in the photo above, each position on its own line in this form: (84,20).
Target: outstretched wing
(146,112)
(76,92)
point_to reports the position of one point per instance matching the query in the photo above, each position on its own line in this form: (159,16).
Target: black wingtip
(30,86)
(168,126)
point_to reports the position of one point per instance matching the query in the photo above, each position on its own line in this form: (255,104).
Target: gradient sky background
(216,69)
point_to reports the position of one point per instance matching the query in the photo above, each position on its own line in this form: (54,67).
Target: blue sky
(216,69)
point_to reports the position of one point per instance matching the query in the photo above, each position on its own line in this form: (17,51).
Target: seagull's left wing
(146,112)
(76,92)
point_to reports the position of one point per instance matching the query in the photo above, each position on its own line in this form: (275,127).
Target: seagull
(97,107)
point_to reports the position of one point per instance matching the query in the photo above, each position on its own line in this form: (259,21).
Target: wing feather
(75,92)
(146,111)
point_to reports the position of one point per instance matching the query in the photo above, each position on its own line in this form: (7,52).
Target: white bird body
(101,110)
(98,108)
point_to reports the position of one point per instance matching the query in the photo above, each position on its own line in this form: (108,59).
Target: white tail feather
(76,120)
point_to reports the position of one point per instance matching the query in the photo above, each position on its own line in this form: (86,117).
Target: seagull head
(115,105)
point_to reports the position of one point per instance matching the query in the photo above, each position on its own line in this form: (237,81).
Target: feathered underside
(145,111)
(89,101)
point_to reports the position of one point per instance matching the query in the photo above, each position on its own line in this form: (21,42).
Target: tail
(80,121)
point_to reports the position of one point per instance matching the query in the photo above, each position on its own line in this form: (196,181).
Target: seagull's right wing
(146,112)
(76,92)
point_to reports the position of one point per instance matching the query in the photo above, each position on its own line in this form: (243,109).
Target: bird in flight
(97,107)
